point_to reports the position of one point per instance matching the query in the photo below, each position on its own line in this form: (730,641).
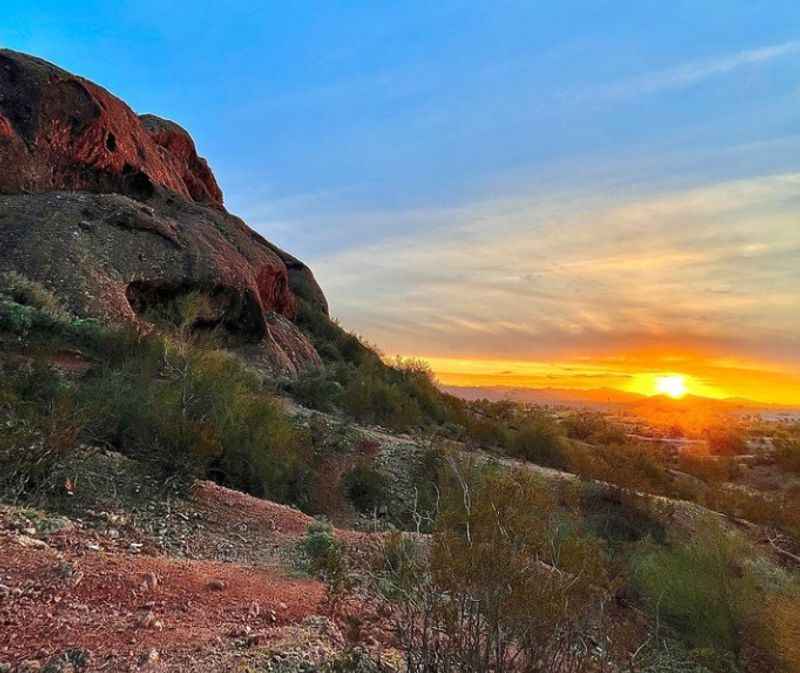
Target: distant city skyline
(574,196)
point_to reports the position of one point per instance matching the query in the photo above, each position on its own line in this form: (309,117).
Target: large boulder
(121,218)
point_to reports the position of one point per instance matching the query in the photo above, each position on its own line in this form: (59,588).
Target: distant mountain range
(607,398)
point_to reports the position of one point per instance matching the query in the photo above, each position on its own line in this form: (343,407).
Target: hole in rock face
(111,142)
(187,306)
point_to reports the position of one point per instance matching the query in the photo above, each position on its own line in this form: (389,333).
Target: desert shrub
(372,397)
(539,440)
(787,454)
(695,588)
(41,428)
(333,343)
(318,544)
(630,467)
(488,432)
(709,469)
(199,412)
(621,517)
(726,440)
(25,292)
(186,410)
(366,488)
(325,556)
(182,311)
(316,390)
(780,511)
(399,395)
(425,479)
(779,629)
(588,426)
(505,587)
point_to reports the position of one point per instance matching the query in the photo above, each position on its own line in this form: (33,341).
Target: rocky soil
(207,580)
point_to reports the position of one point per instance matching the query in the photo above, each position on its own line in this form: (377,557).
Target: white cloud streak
(686,75)
(713,264)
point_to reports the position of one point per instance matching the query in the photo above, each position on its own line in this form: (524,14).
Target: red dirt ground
(43,610)
(104,612)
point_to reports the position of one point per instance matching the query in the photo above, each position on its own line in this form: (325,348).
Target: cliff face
(120,217)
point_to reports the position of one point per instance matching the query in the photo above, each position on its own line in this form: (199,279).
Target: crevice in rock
(231,312)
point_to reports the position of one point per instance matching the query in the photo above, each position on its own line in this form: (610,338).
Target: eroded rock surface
(122,219)
(62,132)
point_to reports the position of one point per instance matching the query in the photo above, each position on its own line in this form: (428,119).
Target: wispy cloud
(712,267)
(687,74)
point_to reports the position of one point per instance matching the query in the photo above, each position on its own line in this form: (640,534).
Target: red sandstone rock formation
(119,215)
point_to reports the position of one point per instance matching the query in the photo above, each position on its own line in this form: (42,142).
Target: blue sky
(506,179)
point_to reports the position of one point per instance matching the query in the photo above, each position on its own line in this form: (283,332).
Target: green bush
(506,587)
(694,588)
(401,395)
(198,412)
(370,398)
(316,390)
(787,454)
(322,553)
(539,440)
(187,410)
(593,427)
(619,517)
(25,292)
(366,488)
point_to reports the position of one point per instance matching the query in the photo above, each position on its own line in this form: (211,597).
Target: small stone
(151,658)
(216,585)
(254,610)
(255,639)
(27,541)
(147,619)
(149,582)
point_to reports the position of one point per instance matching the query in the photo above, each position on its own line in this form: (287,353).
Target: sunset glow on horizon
(719,379)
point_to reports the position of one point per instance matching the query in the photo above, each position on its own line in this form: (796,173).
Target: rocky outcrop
(178,151)
(122,219)
(62,132)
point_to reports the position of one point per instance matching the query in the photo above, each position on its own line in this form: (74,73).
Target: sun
(674,386)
